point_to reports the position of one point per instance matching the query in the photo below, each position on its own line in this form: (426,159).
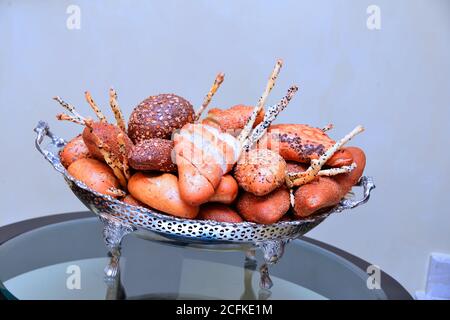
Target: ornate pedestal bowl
(120,219)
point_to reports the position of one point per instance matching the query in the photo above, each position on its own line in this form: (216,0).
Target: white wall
(395,81)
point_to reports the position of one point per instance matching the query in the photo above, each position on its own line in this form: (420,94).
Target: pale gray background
(395,81)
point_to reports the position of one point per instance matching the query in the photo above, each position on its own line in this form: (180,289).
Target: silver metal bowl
(121,219)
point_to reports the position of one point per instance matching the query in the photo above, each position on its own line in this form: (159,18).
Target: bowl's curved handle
(50,152)
(368,185)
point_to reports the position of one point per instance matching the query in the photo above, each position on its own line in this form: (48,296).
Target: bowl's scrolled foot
(265,281)
(113,233)
(272,250)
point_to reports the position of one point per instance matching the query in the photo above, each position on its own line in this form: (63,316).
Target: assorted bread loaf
(154,154)
(157,117)
(233,165)
(75,149)
(233,119)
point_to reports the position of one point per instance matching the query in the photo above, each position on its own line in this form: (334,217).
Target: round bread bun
(158,116)
(227,190)
(267,209)
(218,212)
(152,155)
(75,149)
(232,120)
(295,167)
(95,174)
(260,171)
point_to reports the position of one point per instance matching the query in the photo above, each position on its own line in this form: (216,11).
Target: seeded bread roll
(260,171)
(153,154)
(301,143)
(158,116)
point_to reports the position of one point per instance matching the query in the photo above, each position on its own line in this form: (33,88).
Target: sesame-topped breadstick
(122,150)
(116,109)
(300,178)
(69,108)
(94,107)
(261,102)
(217,82)
(269,117)
(328,127)
(66,117)
(114,164)
(335,171)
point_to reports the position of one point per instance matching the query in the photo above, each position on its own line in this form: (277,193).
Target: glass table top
(65,260)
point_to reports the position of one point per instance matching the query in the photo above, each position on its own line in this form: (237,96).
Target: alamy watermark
(73,21)
(73,281)
(374,19)
(374,279)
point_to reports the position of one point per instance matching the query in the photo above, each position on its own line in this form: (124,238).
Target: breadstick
(328,127)
(116,110)
(122,150)
(217,82)
(326,192)
(261,102)
(335,171)
(94,106)
(66,117)
(269,117)
(301,178)
(69,108)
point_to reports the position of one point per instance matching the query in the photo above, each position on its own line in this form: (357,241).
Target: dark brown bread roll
(158,116)
(152,154)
